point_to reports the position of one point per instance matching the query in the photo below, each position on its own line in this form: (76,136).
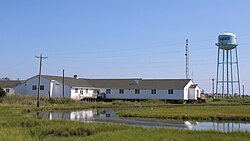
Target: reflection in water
(97,115)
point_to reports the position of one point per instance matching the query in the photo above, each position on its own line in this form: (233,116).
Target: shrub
(58,100)
(2,92)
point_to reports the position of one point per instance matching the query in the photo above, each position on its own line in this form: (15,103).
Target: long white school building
(78,88)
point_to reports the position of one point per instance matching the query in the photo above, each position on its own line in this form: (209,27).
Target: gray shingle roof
(141,83)
(193,86)
(9,83)
(135,83)
(70,81)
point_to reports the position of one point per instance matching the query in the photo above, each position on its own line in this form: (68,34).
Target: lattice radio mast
(187,60)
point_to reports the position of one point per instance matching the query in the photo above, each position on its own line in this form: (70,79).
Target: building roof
(132,83)
(193,86)
(9,83)
(140,83)
(70,81)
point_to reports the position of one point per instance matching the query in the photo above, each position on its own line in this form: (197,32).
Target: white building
(53,86)
(8,85)
(113,89)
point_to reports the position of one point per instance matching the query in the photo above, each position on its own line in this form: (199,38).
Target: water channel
(108,115)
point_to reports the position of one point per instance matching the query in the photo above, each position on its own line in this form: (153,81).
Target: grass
(229,101)
(41,129)
(16,124)
(22,127)
(197,112)
(60,103)
(233,109)
(168,135)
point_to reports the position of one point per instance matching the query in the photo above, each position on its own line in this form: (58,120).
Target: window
(34,87)
(76,90)
(7,90)
(170,91)
(107,91)
(81,92)
(224,38)
(87,91)
(153,91)
(137,91)
(42,87)
(121,91)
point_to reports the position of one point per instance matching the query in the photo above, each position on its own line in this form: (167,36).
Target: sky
(121,38)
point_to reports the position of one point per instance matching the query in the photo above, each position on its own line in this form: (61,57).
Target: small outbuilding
(9,85)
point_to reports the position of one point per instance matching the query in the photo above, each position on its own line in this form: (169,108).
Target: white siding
(186,90)
(191,94)
(54,88)
(57,89)
(198,92)
(86,92)
(11,90)
(20,89)
(144,94)
(26,88)
(194,93)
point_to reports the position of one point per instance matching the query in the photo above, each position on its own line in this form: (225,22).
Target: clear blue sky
(120,38)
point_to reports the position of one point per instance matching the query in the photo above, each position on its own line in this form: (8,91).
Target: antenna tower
(187,60)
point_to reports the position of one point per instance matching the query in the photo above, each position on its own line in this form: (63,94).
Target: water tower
(227,65)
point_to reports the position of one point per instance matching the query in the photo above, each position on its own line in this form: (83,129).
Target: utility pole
(243,91)
(63,84)
(41,57)
(213,88)
(187,60)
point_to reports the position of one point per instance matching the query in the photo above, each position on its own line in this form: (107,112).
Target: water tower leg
(217,75)
(227,75)
(238,73)
(223,72)
(232,83)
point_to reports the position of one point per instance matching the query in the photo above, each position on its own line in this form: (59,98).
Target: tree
(2,92)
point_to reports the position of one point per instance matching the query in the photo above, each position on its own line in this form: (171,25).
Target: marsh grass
(168,135)
(14,133)
(16,122)
(22,127)
(31,100)
(237,112)
(229,101)
(39,129)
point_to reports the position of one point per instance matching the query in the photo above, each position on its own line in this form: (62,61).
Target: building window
(170,91)
(7,90)
(87,91)
(121,91)
(81,92)
(76,90)
(137,91)
(34,87)
(42,87)
(108,91)
(153,91)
